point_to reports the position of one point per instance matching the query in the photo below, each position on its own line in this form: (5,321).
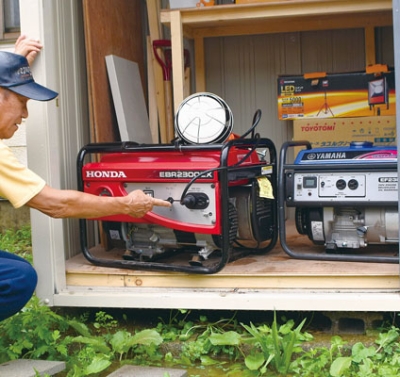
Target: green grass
(18,242)
(97,343)
(94,343)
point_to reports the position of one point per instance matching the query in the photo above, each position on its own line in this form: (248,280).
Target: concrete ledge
(139,371)
(29,368)
(11,218)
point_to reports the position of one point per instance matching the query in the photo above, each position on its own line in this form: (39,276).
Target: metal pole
(396,42)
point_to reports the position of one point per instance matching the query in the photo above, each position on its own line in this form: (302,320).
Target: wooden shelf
(280,16)
(262,18)
(273,281)
(275,270)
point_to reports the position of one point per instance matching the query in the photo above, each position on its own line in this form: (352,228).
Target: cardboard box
(341,95)
(180,4)
(381,130)
(255,1)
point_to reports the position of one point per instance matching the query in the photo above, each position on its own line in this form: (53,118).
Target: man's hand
(61,204)
(27,47)
(140,203)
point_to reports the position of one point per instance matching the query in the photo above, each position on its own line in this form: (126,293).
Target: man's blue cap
(16,76)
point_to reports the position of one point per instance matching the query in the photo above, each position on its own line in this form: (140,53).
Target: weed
(274,345)
(104,321)
(35,332)
(38,332)
(246,350)
(17,242)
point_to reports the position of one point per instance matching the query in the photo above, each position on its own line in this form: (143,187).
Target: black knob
(353,184)
(341,184)
(189,201)
(196,200)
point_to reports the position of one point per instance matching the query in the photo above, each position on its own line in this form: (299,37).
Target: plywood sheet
(112,27)
(274,270)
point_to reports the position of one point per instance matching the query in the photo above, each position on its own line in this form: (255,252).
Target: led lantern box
(339,95)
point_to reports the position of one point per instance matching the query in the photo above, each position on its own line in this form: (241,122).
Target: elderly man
(22,187)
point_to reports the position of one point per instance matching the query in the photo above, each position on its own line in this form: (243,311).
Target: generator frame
(226,174)
(285,170)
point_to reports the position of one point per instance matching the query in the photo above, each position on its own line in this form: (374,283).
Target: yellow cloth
(18,184)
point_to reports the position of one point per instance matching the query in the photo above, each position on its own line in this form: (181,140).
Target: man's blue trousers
(18,281)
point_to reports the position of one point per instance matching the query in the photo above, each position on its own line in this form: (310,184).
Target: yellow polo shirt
(18,184)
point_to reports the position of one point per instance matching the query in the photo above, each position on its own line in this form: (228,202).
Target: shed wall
(244,70)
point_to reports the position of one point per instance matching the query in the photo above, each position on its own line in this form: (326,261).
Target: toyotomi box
(380,130)
(341,95)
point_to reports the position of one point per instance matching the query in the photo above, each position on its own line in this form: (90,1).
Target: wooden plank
(273,281)
(276,263)
(151,88)
(153,11)
(111,27)
(90,73)
(274,270)
(290,24)
(177,59)
(278,17)
(283,10)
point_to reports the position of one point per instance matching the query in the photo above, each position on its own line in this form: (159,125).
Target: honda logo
(105,174)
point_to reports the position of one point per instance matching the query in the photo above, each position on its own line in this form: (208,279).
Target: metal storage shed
(57,130)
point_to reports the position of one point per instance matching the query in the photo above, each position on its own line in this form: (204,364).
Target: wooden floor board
(274,270)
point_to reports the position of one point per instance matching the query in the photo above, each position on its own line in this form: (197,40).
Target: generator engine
(348,227)
(344,198)
(222,196)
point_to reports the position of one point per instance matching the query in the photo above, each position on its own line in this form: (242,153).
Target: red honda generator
(222,195)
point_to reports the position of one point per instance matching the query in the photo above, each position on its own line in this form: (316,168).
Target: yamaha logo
(105,174)
(326,156)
